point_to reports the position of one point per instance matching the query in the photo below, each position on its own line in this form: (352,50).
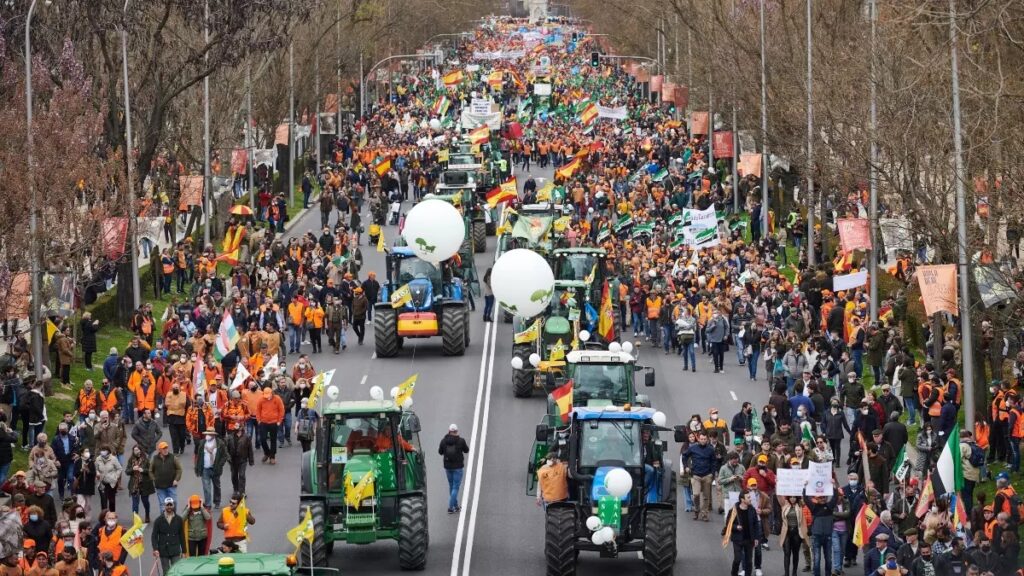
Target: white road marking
(480,448)
(365,376)
(733,394)
(467,478)
(373,356)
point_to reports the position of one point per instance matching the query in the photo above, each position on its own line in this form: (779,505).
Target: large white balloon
(377,393)
(522,282)
(659,419)
(435,124)
(434,230)
(618,482)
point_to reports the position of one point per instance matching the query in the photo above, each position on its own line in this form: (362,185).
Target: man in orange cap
(269,415)
(197,518)
(165,470)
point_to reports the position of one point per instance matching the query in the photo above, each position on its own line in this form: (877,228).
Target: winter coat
(834,425)
(139,483)
(239,449)
(88,328)
(168,537)
(220,456)
(165,470)
(453,449)
(147,434)
(108,470)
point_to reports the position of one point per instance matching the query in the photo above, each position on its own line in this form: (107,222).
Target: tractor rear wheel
(412,533)
(659,541)
(453,331)
(559,541)
(467,320)
(479,236)
(385,332)
(522,383)
(319,547)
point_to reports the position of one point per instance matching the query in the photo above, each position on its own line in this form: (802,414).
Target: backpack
(451,452)
(977,457)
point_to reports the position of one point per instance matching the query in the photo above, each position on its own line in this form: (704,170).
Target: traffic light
(575,37)
(595,59)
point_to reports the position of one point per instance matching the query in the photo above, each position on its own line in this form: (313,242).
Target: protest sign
(819,479)
(790,482)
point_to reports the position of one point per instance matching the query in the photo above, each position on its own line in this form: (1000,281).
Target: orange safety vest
(981,434)
(1018,425)
(1007,493)
(999,407)
(87,402)
(234,526)
(145,398)
(109,401)
(653,308)
(111,543)
(990,528)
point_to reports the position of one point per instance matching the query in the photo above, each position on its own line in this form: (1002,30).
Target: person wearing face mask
(198,417)
(270,413)
(108,542)
(835,428)
(854,498)
(85,476)
(37,528)
(110,432)
(701,461)
(984,557)
(716,332)
(168,536)
(924,564)
(147,432)
(743,421)
(715,424)
(108,477)
(864,422)
(209,465)
(176,404)
(552,481)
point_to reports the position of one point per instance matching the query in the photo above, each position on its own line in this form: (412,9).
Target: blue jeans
(164,493)
(488,306)
(4,469)
(284,431)
(740,356)
(250,429)
(454,482)
(688,496)
(128,410)
(652,482)
(211,487)
(136,498)
(752,363)
(65,475)
(689,356)
(294,338)
(910,405)
(822,546)
(666,336)
(858,362)
(838,549)
(638,323)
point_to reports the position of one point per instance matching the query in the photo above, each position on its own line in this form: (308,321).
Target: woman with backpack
(306,420)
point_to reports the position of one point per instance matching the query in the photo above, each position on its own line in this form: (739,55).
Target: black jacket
(168,537)
(453,450)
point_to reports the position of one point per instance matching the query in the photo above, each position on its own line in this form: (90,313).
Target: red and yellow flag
(495,79)
(566,172)
(606,319)
(589,114)
(864,526)
(383,167)
(480,135)
(562,399)
(505,192)
(453,78)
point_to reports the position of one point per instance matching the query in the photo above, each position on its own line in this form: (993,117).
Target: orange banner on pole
(699,122)
(938,288)
(281,135)
(724,144)
(749,164)
(191,192)
(854,234)
(657,82)
(682,97)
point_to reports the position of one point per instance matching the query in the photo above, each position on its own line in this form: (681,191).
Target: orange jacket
(270,410)
(143,398)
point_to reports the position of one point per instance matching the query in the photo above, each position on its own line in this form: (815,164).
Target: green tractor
(365,480)
(621,486)
(437,306)
(583,265)
(460,188)
(254,564)
(535,361)
(601,378)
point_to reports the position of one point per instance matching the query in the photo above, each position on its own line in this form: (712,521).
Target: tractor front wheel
(559,541)
(659,542)
(318,546)
(385,332)
(412,533)
(522,380)
(453,331)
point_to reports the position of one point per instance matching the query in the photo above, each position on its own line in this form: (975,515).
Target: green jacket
(164,470)
(220,456)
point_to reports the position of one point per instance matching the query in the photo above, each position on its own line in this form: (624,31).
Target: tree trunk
(125,296)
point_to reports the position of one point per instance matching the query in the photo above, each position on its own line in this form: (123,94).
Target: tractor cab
(461,161)
(601,378)
(582,265)
(424,279)
(365,478)
(620,477)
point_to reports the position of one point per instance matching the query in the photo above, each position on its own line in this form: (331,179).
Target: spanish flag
(506,192)
(566,172)
(382,167)
(561,397)
(864,526)
(494,79)
(589,114)
(606,319)
(480,135)
(453,78)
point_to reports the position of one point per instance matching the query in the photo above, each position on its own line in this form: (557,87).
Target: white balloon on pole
(434,230)
(522,282)
(593,523)
(659,419)
(517,363)
(618,482)
(377,393)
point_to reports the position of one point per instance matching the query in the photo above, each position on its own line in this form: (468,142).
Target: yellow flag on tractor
(401,297)
(356,493)
(303,532)
(528,335)
(558,351)
(405,389)
(380,241)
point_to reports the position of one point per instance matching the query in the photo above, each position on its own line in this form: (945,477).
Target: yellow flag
(51,329)
(380,241)
(133,540)
(442,156)
(562,223)
(242,512)
(405,389)
(528,335)
(303,532)
(558,351)
(544,194)
(320,381)
(356,493)
(590,277)
(401,297)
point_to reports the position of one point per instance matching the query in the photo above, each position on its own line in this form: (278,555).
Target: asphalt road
(500,529)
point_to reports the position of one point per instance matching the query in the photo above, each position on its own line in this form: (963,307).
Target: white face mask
(111,523)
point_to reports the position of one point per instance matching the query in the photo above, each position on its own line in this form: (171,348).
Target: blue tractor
(435,307)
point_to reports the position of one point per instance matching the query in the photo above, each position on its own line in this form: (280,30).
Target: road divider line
(362,382)
(467,479)
(733,394)
(480,450)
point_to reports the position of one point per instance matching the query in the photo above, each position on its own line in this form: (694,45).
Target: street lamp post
(36,321)
(810,141)
(133,217)
(207,185)
(873,197)
(291,123)
(764,131)
(250,138)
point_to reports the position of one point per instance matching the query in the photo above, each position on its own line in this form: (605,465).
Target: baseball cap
(161,445)
(751,482)
(168,500)
(453,428)
(762,459)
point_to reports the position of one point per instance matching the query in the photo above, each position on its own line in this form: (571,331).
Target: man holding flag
(235,520)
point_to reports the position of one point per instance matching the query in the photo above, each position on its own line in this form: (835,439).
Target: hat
(194,501)
(762,459)
(210,432)
(910,532)
(881,536)
(988,508)
(752,482)
(737,441)
(168,500)
(161,445)
(20,473)
(914,482)
(30,543)
(794,460)
(890,556)
(453,428)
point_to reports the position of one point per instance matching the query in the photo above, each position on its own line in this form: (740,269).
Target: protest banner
(790,482)
(854,234)
(849,281)
(724,144)
(819,479)
(938,288)
(698,123)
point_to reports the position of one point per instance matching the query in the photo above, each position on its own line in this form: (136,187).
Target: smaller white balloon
(597,538)
(377,393)
(615,347)
(407,404)
(653,273)
(394,391)
(517,363)
(607,534)
(659,419)
(535,359)
(333,392)
(627,347)
(593,523)
(435,124)
(618,482)
(584,335)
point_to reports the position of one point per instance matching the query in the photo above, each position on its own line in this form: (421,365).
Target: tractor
(248,564)
(583,265)
(436,306)
(461,189)
(357,439)
(599,444)
(600,378)
(559,333)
